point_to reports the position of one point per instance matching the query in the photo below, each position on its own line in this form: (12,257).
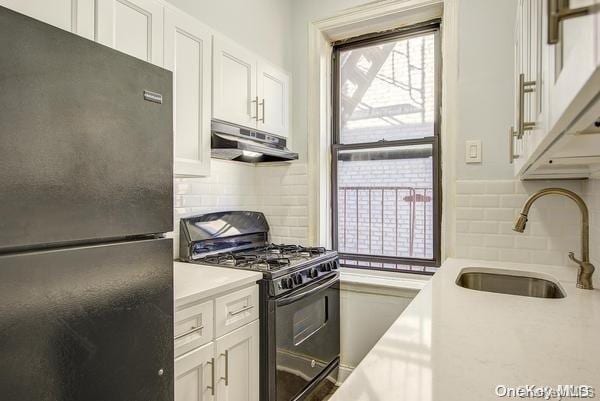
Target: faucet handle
(574,259)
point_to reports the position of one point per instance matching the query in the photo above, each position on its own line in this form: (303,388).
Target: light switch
(473,152)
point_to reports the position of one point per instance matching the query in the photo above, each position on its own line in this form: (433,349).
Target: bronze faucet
(586,269)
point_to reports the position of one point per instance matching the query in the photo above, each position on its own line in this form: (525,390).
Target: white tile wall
(486,211)
(592,197)
(283,196)
(279,191)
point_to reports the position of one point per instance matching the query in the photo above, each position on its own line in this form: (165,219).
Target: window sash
(337,147)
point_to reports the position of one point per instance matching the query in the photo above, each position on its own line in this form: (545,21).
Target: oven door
(307,325)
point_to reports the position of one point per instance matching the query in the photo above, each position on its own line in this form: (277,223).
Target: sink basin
(509,282)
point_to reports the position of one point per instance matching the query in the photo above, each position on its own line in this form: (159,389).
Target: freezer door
(93,324)
(83,155)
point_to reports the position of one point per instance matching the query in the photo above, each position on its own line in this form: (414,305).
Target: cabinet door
(234,83)
(573,67)
(134,27)
(237,364)
(187,54)
(75,16)
(274,97)
(194,375)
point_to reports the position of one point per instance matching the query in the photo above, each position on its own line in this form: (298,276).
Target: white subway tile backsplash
(484,227)
(484,221)
(512,201)
(470,187)
(485,201)
(499,187)
(498,241)
(463,200)
(500,214)
(280,191)
(592,197)
(534,243)
(469,213)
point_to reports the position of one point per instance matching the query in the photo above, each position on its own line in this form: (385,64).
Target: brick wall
(395,221)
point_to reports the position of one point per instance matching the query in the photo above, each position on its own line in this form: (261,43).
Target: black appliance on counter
(299,299)
(86,275)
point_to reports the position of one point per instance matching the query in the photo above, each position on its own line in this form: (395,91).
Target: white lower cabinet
(237,364)
(221,364)
(194,375)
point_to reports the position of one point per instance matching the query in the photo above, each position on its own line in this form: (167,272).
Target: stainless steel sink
(509,283)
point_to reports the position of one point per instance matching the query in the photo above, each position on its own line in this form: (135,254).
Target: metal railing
(409,205)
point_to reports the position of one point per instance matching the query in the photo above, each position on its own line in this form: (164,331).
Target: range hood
(232,142)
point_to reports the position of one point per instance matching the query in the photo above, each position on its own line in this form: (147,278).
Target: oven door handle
(303,294)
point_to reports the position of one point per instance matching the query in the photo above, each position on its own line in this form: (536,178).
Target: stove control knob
(298,279)
(287,283)
(313,273)
(334,265)
(327,266)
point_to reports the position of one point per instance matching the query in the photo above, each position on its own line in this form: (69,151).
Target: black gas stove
(299,299)
(240,240)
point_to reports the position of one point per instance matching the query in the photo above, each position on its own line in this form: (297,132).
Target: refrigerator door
(84,152)
(89,323)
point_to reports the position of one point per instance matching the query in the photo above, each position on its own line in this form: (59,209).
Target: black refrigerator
(86,273)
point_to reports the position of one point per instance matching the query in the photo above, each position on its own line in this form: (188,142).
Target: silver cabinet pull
(263,111)
(558,11)
(190,331)
(524,87)
(244,309)
(511,145)
(226,355)
(212,380)
(255,101)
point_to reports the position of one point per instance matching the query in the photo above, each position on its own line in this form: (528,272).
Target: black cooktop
(268,258)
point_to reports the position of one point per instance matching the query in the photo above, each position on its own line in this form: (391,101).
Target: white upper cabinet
(237,359)
(134,27)
(273,94)
(557,87)
(247,91)
(573,64)
(75,16)
(234,83)
(187,52)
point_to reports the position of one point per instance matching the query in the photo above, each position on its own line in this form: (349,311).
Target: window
(386,153)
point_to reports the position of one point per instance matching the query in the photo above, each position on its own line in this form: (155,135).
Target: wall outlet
(473,152)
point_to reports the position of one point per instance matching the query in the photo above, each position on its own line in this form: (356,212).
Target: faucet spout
(586,269)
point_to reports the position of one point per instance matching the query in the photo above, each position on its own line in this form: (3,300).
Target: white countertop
(193,282)
(453,343)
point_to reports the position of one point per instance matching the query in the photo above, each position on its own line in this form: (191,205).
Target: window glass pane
(387,90)
(385,201)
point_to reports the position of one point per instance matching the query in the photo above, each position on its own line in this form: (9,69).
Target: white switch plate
(473,152)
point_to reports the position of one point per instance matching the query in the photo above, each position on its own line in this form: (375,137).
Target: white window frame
(354,22)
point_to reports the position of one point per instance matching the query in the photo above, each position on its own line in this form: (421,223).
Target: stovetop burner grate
(268,258)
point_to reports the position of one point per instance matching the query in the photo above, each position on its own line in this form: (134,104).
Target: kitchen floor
(328,396)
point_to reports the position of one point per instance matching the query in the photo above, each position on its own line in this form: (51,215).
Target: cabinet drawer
(193,327)
(236,309)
